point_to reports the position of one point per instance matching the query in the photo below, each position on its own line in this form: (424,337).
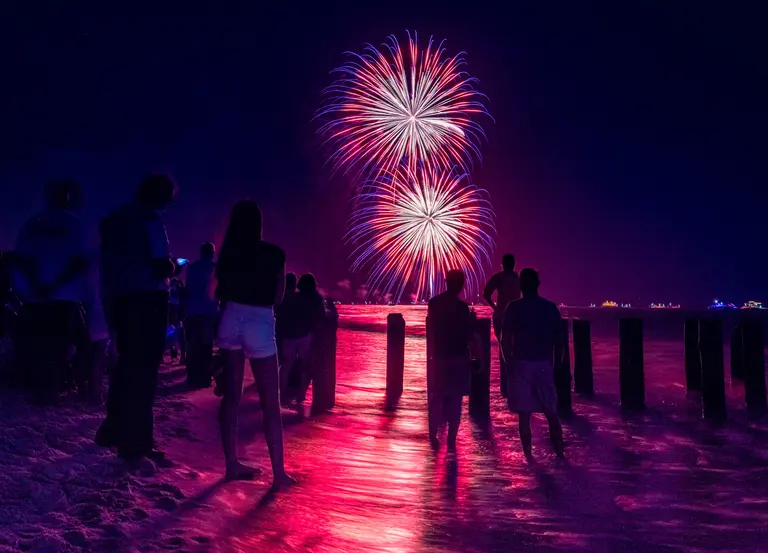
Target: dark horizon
(624,161)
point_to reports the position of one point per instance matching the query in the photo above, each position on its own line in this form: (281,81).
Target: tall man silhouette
(137,266)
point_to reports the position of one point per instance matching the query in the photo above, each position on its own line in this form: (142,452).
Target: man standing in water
(530,340)
(451,328)
(137,266)
(506,285)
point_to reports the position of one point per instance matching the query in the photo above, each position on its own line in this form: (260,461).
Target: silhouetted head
(244,228)
(290,282)
(508,262)
(454,281)
(529,282)
(207,250)
(307,283)
(63,194)
(156,191)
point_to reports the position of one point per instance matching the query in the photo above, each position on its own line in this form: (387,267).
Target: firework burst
(413,225)
(389,106)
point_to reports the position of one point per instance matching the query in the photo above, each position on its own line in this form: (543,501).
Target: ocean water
(660,481)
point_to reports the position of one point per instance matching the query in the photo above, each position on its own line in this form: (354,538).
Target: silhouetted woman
(251,281)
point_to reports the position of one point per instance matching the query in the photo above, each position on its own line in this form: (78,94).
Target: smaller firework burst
(413,225)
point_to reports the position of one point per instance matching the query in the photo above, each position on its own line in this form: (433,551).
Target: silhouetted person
(452,331)
(251,281)
(137,266)
(309,314)
(49,275)
(530,340)
(281,318)
(96,357)
(202,310)
(297,317)
(506,286)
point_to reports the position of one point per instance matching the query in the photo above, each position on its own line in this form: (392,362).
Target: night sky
(626,159)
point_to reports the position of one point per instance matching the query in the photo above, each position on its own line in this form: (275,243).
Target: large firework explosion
(405,123)
(385,109)
(415,225)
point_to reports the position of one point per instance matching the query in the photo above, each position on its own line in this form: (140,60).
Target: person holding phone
(137,266)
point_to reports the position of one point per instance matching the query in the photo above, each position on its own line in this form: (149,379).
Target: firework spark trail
(385,109)
(412,226)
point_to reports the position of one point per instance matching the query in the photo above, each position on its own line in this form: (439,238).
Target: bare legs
(234,370)
(265,372)
(266,375)
(555,433)
(524,421)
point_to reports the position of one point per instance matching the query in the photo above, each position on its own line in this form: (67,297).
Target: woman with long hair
(251,281)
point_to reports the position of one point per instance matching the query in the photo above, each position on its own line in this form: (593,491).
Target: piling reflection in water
(659,481)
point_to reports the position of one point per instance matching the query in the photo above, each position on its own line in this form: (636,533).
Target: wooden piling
(395,355)
(712,370)
(631,370)
(583,378)
(324,365)
(480,389)
(692,356)
(738,370)
(430,355)
(754,367)
(563,372)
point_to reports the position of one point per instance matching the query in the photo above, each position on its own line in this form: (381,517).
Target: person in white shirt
(136,266)
(202,311)
(49,276)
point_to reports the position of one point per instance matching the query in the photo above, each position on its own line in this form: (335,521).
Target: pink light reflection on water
(369,482)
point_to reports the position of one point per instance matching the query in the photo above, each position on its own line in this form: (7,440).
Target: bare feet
(240,471)
(282,482)
(528,455)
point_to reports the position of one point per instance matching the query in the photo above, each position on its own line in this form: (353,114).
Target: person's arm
(77,264)
(560,336)
(159,251)
(280,291)
(507,337)
(490,288)
(319,311)
(27,264)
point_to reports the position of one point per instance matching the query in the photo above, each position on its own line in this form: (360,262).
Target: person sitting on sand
(530,339)
(452,334)
(251,281)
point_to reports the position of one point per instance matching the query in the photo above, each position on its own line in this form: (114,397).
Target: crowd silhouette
(118,307)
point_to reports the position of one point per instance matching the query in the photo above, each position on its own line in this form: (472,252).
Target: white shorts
(249,328)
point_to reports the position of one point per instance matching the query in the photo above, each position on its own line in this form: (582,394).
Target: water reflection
(662,481)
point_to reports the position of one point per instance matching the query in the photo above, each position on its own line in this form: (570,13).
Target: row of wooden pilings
(704,364)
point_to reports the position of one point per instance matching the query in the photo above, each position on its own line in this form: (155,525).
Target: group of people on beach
(529,332)
(74,297)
